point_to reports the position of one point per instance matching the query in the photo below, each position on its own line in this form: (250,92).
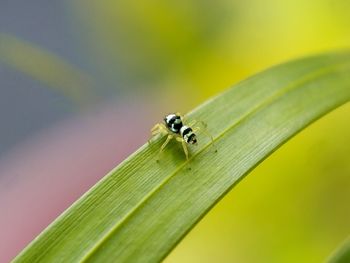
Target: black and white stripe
(173,123)
(188,134)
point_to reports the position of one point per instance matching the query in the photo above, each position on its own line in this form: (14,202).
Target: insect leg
(194,122)
(155,130)
(184,146)
(158,128)
(166,142)
(205,131)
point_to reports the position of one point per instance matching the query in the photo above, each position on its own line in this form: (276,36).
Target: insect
(174,127)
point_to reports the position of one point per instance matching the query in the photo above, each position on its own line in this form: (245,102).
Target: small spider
(174,127)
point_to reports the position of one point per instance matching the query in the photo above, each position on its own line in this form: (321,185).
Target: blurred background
(79,77)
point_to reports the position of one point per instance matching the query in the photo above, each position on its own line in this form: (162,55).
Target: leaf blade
(118,217)
(342,253)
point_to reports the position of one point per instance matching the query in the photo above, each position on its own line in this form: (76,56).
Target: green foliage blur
(194,49)
(295,206)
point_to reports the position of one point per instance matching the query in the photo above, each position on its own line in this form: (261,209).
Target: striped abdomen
(173,123)
(188,135)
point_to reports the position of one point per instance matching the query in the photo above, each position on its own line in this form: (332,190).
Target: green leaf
(342,254)
(143,208)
